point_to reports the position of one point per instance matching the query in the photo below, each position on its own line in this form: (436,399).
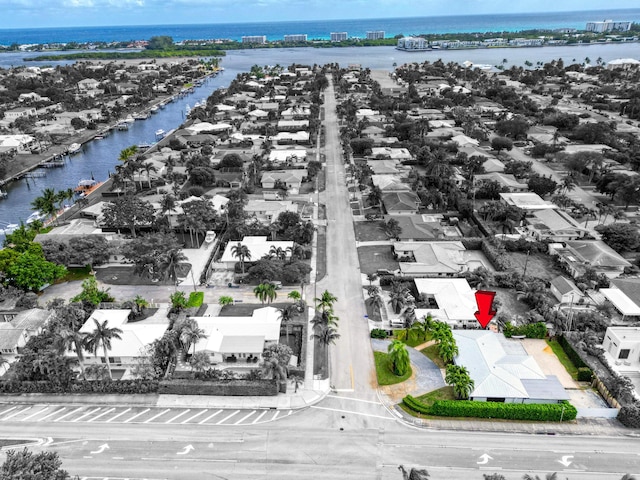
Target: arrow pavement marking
(100,449)
(186,450)
(484,459)
(565,460)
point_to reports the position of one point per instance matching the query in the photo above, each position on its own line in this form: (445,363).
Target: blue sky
(61,13)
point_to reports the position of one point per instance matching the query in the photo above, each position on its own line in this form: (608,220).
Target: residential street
(351,358)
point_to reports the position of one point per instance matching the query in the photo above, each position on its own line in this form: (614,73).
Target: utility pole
(526,262)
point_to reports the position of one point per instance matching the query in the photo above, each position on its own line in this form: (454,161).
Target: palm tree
(398,297)
(277,252)
(168,263)
(190,334)
(295,296)
(242,253)
(325,301)
(371,277)
(327,335)
(225,300)
(101,337)
(296,252)
(448,349)
(148,168)
(377,302)
(199,361)
(65,338)
(46,203)
(398,358)
(286,316)
(265,292)
(548,476)
(372,290)
(458,377)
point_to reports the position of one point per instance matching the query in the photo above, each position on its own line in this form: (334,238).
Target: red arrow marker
(484,299)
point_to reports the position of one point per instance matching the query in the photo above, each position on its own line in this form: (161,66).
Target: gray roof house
(503,371)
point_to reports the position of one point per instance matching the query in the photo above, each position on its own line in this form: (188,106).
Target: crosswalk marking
(245,417)
(228,417)
(195,416)
(34,414)
(210,417)
(16,413)
(157,415)
(260,416)
(137,415)
(67,414)
(178,416)
(86,414)
(102,414)
(118,415)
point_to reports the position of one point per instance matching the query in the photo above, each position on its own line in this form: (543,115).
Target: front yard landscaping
(384,373)
(563,358)
(376,257)
(431,352)
(369,231)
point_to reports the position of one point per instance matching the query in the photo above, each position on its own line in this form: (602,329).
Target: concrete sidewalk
(289,401)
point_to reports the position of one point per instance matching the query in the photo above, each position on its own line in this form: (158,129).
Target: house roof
(597,253)
(630,286)
(621,301)
(9,336)
(258,247)
(284,155)
(564,285)
(431,257)
(504,179)
(527,201)
(286,176)
(453,296)
(499,367)
(553,221)
(401,201)
(31,319)
(240,334)
(390,183)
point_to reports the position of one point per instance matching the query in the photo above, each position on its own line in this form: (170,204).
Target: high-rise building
(339,36)
(608,26)
(296,38)
(412,43)
(254,39)
(376,35)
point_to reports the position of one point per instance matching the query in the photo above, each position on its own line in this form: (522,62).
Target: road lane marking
(245,417)
(355,413)
(86,414)
(178,416)
(210,417)
(196,415)
(102,414)
(15,413)
(68,413)
(157,415)
(260,416)
(137,415)
(290,412)
(275,415)
(35,414)
(353,399)
(228,417)
(55,412)
(118,415)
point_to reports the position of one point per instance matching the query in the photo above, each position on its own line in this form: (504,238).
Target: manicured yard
(432,353)
(195,299)
(374,257)
(414,339)
(369,231)
(74,274)
(384,373)
(564,360)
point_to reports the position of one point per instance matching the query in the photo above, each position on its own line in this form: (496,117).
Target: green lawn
(414,339)
(564,360)
(372,258)
(432,353)
(384,373)
(444,393)
(369,231)
(74,274)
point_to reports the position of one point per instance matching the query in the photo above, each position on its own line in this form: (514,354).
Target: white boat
(160,133)
(123,126)
(141,116)
(154,109)
(3,194)
(9,229)
(36,216)
(74,148)
(187,108)
(144,146)
(129,119)
(211,236)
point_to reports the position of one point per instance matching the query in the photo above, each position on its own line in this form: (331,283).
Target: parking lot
(138,414)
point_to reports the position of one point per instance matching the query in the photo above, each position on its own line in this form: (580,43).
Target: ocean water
(320,29)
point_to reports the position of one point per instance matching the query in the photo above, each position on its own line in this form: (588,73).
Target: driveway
(426,375)
(548,361)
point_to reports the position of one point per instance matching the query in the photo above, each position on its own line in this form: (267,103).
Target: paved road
(352,366)
(326,443)
(86,414)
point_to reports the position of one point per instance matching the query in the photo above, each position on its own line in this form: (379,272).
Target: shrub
(551,412)
(378,333)
(119,386)
(497,258)
(629,415)
(585,374)
(571,353)
(531,330)
(195,299)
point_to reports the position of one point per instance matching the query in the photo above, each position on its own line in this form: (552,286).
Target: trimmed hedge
(232,387)
(629,415)
(116,386)
(531,330)
(379,333)
(585,374)
(551,412)
(571,353)
(500,261)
